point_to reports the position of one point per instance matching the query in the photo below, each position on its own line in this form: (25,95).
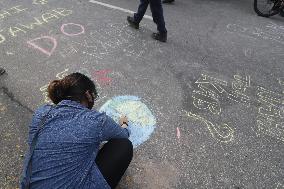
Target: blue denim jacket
(65,152)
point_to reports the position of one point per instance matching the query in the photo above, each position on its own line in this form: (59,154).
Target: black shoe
(160,36)
(2,71)
(168,1)
(132,23)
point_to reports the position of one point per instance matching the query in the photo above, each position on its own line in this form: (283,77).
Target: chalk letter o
(72,34)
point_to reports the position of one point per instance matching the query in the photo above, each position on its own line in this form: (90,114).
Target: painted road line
(117,8)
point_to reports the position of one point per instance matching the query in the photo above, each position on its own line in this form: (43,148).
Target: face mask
(92,101)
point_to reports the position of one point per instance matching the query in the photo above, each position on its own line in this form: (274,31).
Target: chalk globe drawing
(141,121)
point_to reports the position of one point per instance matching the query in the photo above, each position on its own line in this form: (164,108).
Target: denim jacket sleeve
(110,129)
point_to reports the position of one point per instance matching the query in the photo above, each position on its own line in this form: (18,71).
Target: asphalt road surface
(215,88)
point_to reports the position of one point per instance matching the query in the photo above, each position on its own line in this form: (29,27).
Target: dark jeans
(157,13)
(113,160)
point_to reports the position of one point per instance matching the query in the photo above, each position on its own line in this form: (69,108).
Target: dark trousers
(157,13)
(113,159)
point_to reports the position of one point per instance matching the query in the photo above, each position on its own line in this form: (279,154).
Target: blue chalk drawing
(141,121)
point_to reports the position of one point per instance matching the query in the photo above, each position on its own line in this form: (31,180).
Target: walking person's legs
(136,19)
(158,18)
(113,160)
(141,10)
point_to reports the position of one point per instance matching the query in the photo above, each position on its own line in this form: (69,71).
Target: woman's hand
(123,121)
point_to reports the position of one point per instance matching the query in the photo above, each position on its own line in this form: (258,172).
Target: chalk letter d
(45,51)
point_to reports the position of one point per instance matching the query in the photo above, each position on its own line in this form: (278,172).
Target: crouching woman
(64,141)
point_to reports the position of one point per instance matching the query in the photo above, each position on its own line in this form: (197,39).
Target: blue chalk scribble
(141,121)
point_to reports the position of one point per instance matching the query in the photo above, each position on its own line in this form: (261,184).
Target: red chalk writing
(49,39)
(75,33)
(44,50)
(102,78)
